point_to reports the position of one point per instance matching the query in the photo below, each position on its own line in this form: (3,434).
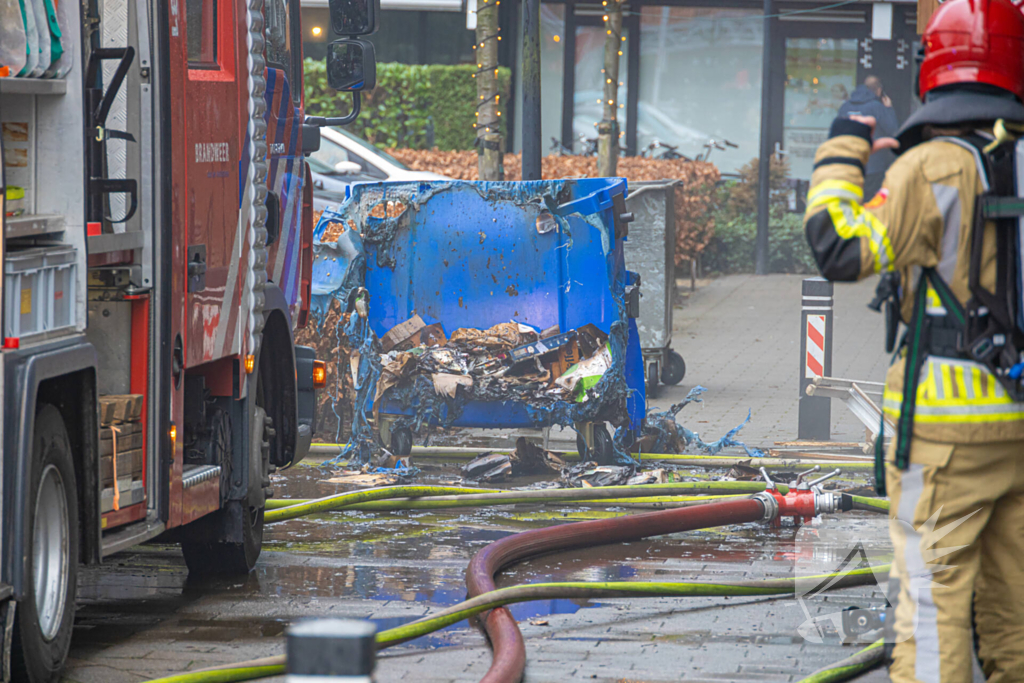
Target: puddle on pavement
(407,557)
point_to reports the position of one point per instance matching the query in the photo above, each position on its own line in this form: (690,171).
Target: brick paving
(740,338)
(155,622)
(139,616)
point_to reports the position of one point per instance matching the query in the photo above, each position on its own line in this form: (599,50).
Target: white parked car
(344,159)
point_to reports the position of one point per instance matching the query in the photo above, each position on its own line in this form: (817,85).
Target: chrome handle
(800,477)
(827,476)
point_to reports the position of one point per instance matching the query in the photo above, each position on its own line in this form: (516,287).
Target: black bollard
(815,358)
(331,651)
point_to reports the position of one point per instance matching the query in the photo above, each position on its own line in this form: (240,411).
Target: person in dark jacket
(870,99)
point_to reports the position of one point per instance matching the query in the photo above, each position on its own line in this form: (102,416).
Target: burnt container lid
(332,647)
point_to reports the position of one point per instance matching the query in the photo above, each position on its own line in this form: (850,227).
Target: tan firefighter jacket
(922,216)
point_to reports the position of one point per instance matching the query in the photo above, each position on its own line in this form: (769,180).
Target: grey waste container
(650,251)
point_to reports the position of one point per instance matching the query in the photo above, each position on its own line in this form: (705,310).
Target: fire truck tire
(43,620)
(232,558)
(221,558)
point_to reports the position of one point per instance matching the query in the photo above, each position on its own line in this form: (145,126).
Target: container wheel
(675,369)
(401,441)
(653,374)
(43,620)
(603,452)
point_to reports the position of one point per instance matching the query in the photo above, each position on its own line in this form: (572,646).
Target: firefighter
(955,471)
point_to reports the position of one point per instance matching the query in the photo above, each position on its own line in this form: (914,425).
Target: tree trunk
(488,118)
(608,129)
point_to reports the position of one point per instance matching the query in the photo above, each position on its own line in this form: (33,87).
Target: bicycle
(559,148)
(712,145)
(671,151)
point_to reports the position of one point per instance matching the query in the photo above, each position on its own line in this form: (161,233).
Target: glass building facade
(691,71)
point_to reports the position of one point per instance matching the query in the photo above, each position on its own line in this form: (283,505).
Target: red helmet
(975,41)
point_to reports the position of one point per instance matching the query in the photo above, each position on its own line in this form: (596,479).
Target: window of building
(201,33)
(588,94)
(552,56)
(820,75)
(700,79)
(417,37)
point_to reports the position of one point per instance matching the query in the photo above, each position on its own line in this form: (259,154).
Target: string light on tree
(496,36)
(608,132)
(488,110)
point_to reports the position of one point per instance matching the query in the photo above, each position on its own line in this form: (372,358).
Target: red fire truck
(157,251)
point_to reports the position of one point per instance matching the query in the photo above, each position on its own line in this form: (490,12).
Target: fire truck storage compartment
(40,290)
(44,253)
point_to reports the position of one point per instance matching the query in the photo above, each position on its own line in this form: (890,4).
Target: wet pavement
(140,617)
(740,337)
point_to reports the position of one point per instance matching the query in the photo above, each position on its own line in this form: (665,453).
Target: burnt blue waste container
(437,258)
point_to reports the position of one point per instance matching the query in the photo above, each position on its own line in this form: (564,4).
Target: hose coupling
(827,503)
(771,505)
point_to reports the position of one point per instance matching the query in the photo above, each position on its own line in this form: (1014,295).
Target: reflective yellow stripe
(933,390)
(976,383)
(947,386)
(936,402)
(933,303)
(928,416)
(827,190)
(843,199)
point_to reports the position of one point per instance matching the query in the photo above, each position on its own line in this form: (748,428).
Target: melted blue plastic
(656,425)
(469,254)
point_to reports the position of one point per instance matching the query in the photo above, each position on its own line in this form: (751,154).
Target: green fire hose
(430,497)
(390,498)
(275,666)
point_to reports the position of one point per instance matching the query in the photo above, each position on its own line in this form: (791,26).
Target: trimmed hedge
(694,195)
(407,97)
(731,250)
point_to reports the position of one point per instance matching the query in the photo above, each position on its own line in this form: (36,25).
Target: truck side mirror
(354,17)
(351,65)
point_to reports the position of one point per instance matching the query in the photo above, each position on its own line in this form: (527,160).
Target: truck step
(197,474)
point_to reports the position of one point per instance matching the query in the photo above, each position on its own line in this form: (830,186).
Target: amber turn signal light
(319,374)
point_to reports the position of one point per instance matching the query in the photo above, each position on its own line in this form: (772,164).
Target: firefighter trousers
(957,527)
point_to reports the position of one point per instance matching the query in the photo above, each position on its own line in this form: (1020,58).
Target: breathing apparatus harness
(990,329)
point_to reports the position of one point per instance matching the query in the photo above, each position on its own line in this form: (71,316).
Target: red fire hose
(509,657)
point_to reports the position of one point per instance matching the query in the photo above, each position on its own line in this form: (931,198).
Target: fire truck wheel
(44,619)
(231,558)
(221,558)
